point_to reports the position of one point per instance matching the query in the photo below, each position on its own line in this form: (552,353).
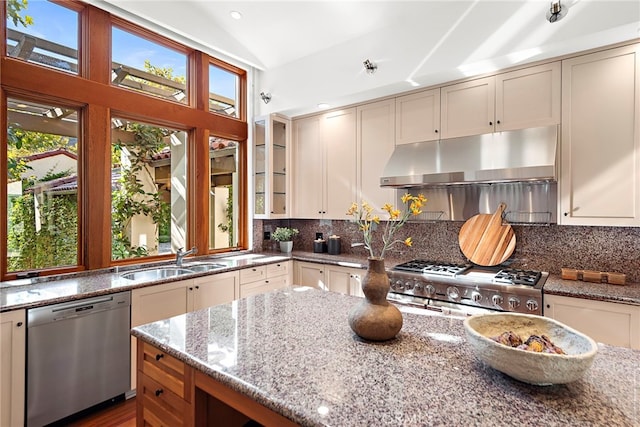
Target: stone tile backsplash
(544,248)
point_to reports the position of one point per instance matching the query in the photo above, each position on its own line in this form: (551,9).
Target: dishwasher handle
(85,307)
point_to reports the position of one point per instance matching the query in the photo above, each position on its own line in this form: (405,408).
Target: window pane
(43,33)
(223,91)
(149,190)
(42,186)
(148,67)
(223,194)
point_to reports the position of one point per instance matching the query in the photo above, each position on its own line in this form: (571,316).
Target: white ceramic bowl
(524,365)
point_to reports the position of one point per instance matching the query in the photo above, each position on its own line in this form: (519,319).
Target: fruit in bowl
(555,353)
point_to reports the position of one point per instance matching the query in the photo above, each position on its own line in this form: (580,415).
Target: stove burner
(430,267)
(517,277)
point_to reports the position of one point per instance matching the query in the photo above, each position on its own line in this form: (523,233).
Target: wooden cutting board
(485,240)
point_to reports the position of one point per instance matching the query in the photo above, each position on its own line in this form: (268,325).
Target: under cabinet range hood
(511,156)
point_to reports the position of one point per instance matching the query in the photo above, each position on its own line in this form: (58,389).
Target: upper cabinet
(271,136)
(600,166)
(325,158)
(417,117)
(375,136)
(515,100)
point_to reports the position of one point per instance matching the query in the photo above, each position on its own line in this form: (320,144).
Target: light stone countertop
(264,347)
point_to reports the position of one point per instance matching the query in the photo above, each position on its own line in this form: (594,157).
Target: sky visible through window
(54,23)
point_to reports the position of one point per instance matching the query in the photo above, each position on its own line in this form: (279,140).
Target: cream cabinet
(519,99)
(324,178)
(328,277)
(600,166)
(417,117)
(606,322)
(271,159)
(264,278)
(375,141)
(13,335)
(157,302)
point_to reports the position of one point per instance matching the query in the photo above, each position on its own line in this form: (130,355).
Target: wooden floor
(122,414)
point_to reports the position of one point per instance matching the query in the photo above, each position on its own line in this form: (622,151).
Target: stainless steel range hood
(512,156)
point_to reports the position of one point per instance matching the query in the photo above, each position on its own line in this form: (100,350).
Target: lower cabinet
(165,392)
(606,322)
(159,302)
(13,335)
(264,278)
(329,277)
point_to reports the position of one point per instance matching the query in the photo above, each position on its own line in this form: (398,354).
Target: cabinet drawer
(160,406)
(163,368)
(253,274)
(278,269)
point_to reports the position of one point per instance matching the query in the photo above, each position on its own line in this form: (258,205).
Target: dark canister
(319,246)
(334,245)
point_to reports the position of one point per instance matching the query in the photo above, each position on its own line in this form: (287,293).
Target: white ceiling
(312,51)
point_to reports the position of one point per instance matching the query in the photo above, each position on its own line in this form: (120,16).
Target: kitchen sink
(156,273)
(204,266)
(169,271)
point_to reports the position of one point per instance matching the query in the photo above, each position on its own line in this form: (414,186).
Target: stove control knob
(497,300)
(532,305)
(476,296)
(418,287)
(514,303)
(408,285)
(453,293)
(398,285)
(429,290)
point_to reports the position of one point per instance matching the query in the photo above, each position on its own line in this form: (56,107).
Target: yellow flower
(376,219)
(406,197)
(408,241)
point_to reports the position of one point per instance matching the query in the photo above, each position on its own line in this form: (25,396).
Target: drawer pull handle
(159,356)
(159,392)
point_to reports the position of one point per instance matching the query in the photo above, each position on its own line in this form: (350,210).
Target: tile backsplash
(544,248)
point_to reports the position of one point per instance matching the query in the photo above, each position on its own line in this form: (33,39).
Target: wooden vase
(374,318)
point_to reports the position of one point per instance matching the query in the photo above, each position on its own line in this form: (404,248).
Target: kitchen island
(290,354)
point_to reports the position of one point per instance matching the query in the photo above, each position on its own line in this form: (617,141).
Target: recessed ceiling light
(235,14)
(323,106)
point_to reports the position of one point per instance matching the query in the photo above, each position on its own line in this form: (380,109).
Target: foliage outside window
(42,186)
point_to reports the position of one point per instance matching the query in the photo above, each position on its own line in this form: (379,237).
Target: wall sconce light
(266,97)
(370,67)
(556,12)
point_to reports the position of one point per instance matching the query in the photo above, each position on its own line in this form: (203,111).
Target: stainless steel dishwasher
(78,356)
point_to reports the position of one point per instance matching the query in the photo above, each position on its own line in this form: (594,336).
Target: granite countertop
(263,347)
(627,294)
(40,291)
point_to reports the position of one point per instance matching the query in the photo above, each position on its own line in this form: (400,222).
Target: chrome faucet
(180,254)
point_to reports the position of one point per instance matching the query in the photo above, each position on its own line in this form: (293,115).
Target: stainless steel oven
(465,289)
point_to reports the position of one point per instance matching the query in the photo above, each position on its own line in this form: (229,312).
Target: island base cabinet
(165,389)
(606,322)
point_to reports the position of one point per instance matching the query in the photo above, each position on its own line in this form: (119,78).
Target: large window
(42,185)
(152,175)
(43,33)
(141,65)
(149,190)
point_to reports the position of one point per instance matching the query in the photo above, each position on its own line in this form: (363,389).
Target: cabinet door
(310,274)
(606,322)
(12,367)
(528,98)
(375,145)
(308,168)
(263,286)
(158,302)
(418,117)
(344,280)
(468,108)
(339,138)
(600,170)
(213,290)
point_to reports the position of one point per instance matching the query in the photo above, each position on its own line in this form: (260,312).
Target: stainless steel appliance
(78,356)
(466,288)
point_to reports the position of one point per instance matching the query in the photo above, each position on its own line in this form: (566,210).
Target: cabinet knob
(159,356)
(490,123)
(498,122)
(548,305)
(190,288)
(158,392)
(436,130)
(197,287)
(19,324)
(566,214)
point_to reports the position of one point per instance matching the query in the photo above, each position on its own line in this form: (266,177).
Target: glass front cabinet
(271,153)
